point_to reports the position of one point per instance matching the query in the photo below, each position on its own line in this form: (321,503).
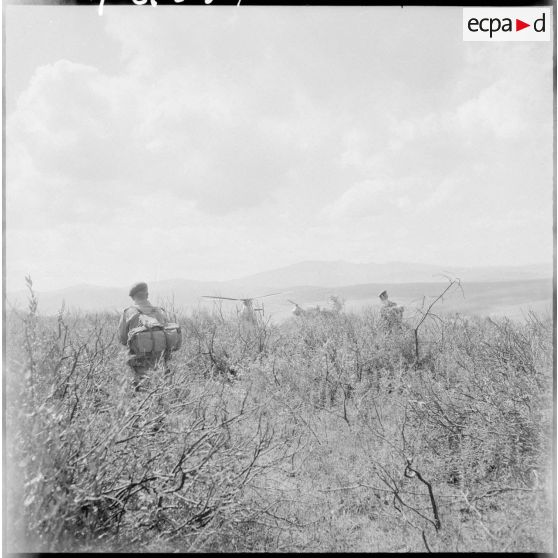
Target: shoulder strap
(133,308)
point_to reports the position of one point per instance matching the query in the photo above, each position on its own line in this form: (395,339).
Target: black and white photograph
(278,278)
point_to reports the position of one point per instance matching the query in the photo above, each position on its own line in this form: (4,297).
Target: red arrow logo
(519,25)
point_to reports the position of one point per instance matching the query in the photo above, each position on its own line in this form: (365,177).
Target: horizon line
(442,269)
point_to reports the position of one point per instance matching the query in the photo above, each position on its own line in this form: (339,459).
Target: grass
(319,434)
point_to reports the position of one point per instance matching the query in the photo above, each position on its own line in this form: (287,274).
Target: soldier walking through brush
(146,331)
(391,315)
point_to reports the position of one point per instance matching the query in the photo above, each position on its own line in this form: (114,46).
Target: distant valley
(496,291)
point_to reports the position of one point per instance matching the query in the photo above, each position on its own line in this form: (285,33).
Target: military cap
(137,288)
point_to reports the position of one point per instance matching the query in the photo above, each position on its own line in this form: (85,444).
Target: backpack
(151,336)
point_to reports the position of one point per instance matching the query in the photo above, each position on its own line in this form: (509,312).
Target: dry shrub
(325,433)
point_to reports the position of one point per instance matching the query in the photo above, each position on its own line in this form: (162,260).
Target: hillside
(329,433)
(340,273)
(486,290)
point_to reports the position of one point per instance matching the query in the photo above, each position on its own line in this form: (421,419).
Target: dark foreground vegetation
(325,433)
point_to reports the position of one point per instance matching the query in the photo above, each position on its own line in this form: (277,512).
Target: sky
(211,142)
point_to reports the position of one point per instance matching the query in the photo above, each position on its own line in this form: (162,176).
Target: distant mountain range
(340,273)
(312,282)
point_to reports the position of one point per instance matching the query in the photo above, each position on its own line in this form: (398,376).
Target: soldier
(297,310)
(141,364)
(391,315)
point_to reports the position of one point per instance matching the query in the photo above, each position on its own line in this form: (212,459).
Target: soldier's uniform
(391,315)
(141,364)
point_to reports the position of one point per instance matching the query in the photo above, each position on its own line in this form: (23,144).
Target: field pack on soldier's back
(151,336)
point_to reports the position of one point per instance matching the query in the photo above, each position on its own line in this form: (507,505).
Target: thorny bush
(97,465)
(323,433)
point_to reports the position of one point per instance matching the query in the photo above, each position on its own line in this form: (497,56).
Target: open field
(326,433)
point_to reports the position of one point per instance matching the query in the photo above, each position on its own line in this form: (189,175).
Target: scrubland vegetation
(323,433)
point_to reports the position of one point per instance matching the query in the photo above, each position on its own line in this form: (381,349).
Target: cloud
(228,123)
(227,143)
(195,139)
(494,111)
(362,200)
